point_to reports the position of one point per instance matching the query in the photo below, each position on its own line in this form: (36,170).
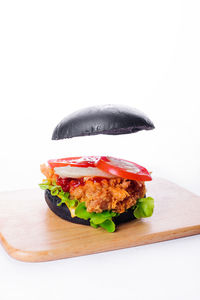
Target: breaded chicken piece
(116,194)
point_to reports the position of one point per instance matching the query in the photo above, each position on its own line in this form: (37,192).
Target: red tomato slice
(123,168)
(80,161)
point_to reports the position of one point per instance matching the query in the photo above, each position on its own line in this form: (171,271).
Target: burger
(100,191)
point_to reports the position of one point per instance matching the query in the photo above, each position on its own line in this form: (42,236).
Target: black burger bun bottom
(104,119)
(64,213)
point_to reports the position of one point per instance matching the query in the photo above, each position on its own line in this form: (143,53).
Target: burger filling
(98,198)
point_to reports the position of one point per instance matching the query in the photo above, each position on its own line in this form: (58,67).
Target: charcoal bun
(105,119)
(64,213)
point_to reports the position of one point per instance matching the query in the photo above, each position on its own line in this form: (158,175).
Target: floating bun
(104,119)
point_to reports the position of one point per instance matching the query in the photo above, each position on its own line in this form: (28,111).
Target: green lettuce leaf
(93,225)
(81,211)
(98,218)
(144,208)
(44,186)
(109,225)
(66,200)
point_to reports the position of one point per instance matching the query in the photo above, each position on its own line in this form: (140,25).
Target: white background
(59,56)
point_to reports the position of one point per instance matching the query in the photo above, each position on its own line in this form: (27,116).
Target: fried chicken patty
(116,194)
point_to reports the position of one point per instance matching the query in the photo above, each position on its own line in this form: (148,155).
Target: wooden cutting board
(29,231)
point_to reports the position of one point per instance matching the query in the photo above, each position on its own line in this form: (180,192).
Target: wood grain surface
(30,232)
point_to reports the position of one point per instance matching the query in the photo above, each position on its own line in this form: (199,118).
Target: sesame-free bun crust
(105,119)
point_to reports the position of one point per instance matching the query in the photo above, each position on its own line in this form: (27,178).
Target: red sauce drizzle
(97,179)
(67,183)
(76,182)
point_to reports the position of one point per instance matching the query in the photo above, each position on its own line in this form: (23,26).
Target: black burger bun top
(104,119)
